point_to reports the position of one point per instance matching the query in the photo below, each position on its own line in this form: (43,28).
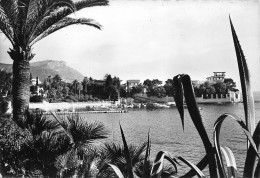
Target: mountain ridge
(46,68)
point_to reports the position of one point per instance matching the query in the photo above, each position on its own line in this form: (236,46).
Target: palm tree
(50,147)
(75,86)
(85,83)
(24,23)
(83,136)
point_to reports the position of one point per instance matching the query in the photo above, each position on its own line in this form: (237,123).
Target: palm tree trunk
(21,84)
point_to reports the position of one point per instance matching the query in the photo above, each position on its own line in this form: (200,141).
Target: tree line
(55,89)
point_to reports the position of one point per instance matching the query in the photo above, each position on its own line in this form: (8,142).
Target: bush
(36,99)
(72,98)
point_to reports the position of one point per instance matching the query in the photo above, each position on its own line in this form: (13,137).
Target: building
(197,83)
(131,83)
(34,81)
(217,77)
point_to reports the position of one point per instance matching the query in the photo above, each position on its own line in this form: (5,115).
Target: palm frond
(68,163)
(49,20)
(88,168)
(11,10)
(5,25)
(248,100)
(90,3)
(42,151)
(37,122)
(38,9)
(81,132)
(136,152)
(64,23)
(84,132)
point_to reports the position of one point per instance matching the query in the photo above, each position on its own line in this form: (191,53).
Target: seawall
(64,106)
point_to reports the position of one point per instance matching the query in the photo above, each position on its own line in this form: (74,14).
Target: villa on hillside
(230,97)
(217,77)
(131,83)
(34,81)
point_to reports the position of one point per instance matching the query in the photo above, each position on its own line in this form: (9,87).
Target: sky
(157,39)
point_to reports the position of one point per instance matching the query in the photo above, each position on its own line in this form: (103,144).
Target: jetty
(87,112)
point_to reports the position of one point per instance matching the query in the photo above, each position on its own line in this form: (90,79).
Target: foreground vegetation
(32,145)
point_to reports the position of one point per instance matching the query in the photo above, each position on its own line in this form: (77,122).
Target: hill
(43,69)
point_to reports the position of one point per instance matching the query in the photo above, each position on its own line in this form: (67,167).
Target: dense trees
(154,88)
(49,147)
(215,88)
(87,89)
(5,82)
(110,88)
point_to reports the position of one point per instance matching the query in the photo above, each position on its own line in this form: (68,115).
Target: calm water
(167,133)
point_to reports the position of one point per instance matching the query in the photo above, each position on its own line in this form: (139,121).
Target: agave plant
(112,153)
(213,157)
(24,23)
(125,166)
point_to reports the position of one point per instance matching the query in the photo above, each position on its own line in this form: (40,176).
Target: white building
(217,77)
(131,83)
(34,81)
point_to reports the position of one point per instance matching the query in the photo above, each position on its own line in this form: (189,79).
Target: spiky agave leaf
(217,127)
(146,172)
(231,162)
(178,96)
(248,100)
(112,153)
(251,168)
(183,82)
(192,166)
(127,155)
(157,167)
(202,164)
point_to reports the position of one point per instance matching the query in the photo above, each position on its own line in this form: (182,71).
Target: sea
(167,133)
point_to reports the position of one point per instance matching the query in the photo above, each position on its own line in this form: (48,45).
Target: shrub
(72,98)
(36,99)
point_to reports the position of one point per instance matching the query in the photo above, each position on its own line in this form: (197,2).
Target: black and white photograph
(130,88)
